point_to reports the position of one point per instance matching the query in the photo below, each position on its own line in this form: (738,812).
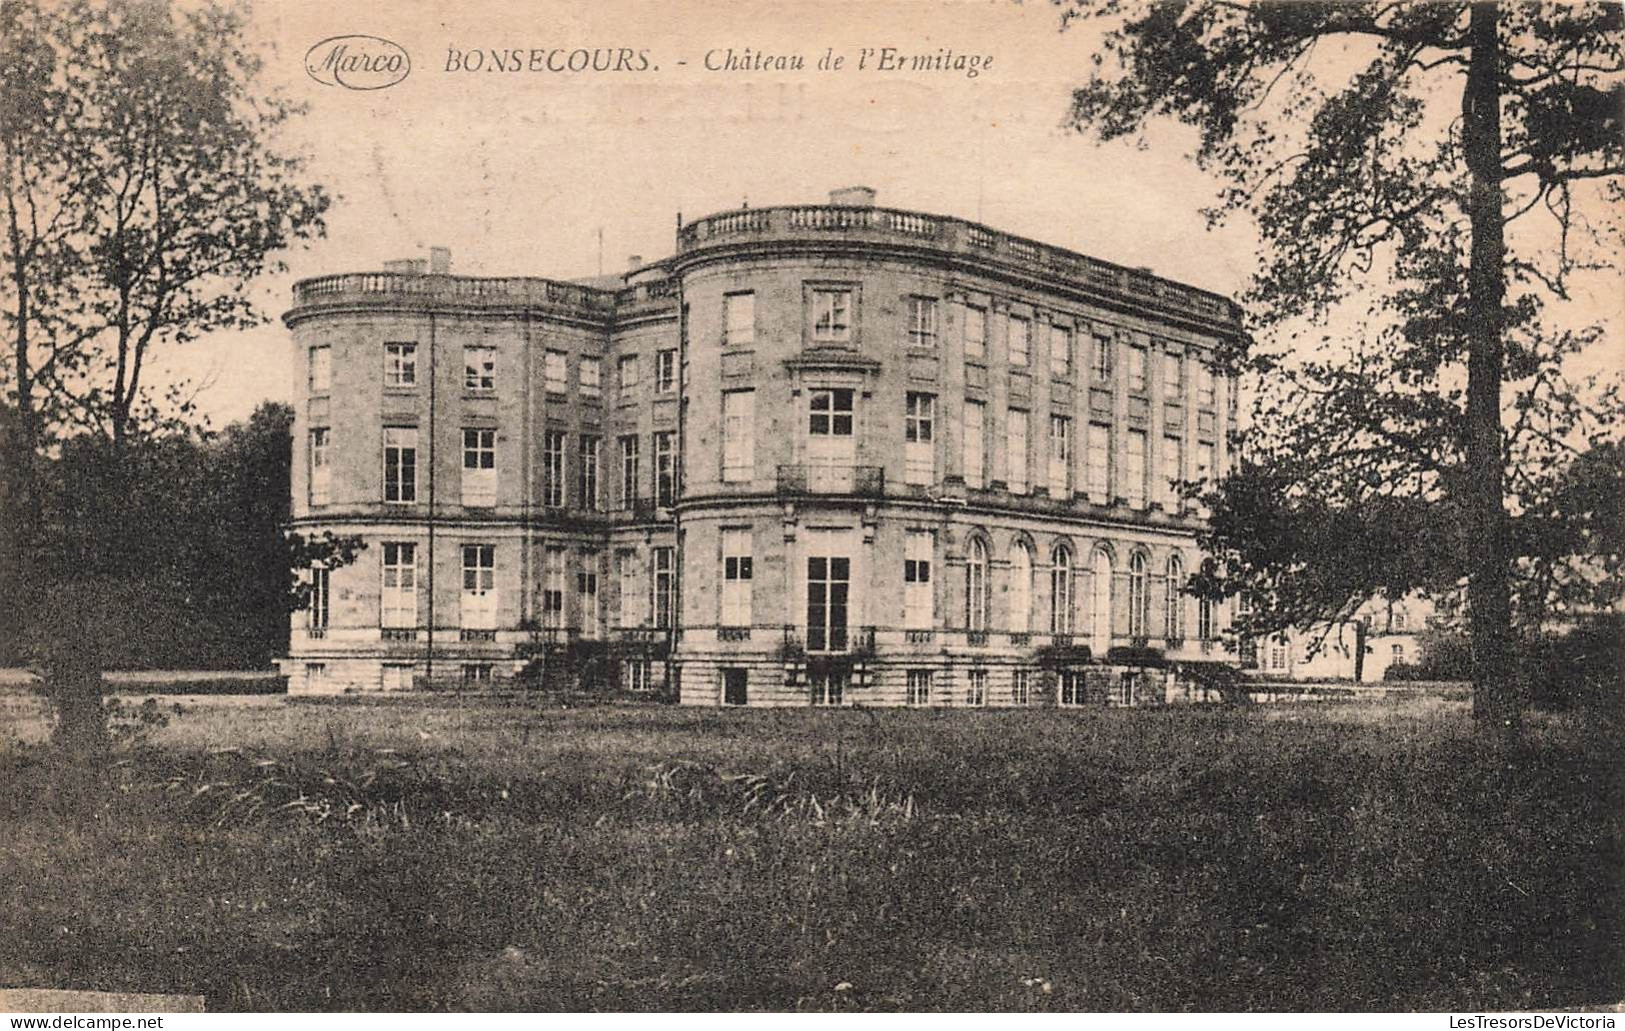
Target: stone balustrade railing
(957,236)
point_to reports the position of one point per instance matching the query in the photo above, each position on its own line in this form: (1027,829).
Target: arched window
(1173,617)
(1060,590)
(1139,595)
(1021,588)
(1101,602)
(976,586)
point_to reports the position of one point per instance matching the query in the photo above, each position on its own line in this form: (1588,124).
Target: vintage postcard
(902,505)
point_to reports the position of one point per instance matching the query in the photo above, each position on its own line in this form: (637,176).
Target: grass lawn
(276,855)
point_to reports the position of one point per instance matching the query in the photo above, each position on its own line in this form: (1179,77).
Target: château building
(824,454)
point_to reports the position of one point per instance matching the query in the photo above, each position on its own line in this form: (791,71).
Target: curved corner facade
(820,455)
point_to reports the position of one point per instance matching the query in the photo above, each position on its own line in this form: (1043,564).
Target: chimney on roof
(440,261)
(634,262)
(853,197)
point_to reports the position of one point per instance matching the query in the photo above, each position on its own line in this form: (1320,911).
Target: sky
(523,173)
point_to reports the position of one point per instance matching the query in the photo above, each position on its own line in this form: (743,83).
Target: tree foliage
(1430,183)
(144,186)
(212,578)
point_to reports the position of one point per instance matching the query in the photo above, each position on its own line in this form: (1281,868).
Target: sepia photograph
(951,506)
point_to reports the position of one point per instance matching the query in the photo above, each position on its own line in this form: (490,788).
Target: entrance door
(828,688)
(829,583)
(733,686)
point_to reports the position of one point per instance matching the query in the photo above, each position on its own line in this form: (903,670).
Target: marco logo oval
(357,62)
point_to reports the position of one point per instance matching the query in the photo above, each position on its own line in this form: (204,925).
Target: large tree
(145,186)
(1429,181)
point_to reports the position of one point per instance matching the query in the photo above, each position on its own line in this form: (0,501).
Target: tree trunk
(1359,651)
(81,723)
(1498,698)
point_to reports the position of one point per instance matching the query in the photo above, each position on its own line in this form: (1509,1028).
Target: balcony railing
(525,291)
(860,480)
(954,235)
(638,508)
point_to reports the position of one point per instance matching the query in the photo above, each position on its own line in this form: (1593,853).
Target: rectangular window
(479,587)
(1134,469)
(1205,392)
(553,587)
(1100,452)
(1020,340)
(1173,471)
(922,321)
(553,469)
(738,436)
(665,372)
(736,578)
(629,471)
(739,320)
(975,456)
(315,676)
(321,370)
(638,679)
(919,439)
(1015,450)
(665,468)
(400,365)
(830,413)
(321,597)
(1060,457)
(1136,369)
(665,584)
(735,685)
(1103,356)
(1204,461)
(399,599)
(555,372)
(629,574)
(1204,619)
(587,478)
(1021,687)
(1060,351)
(587,594)
(479,467)
(919,687)
(400,464)
(1073,687)
(320,475)
(976,687)
(832,316)
(975,333)
(479,369)
(397,676)
(476,674)
(627,375)
(829,581)
(1173,378)
(918,607)
(590,374)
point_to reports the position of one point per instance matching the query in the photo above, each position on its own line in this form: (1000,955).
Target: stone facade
(844,454)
